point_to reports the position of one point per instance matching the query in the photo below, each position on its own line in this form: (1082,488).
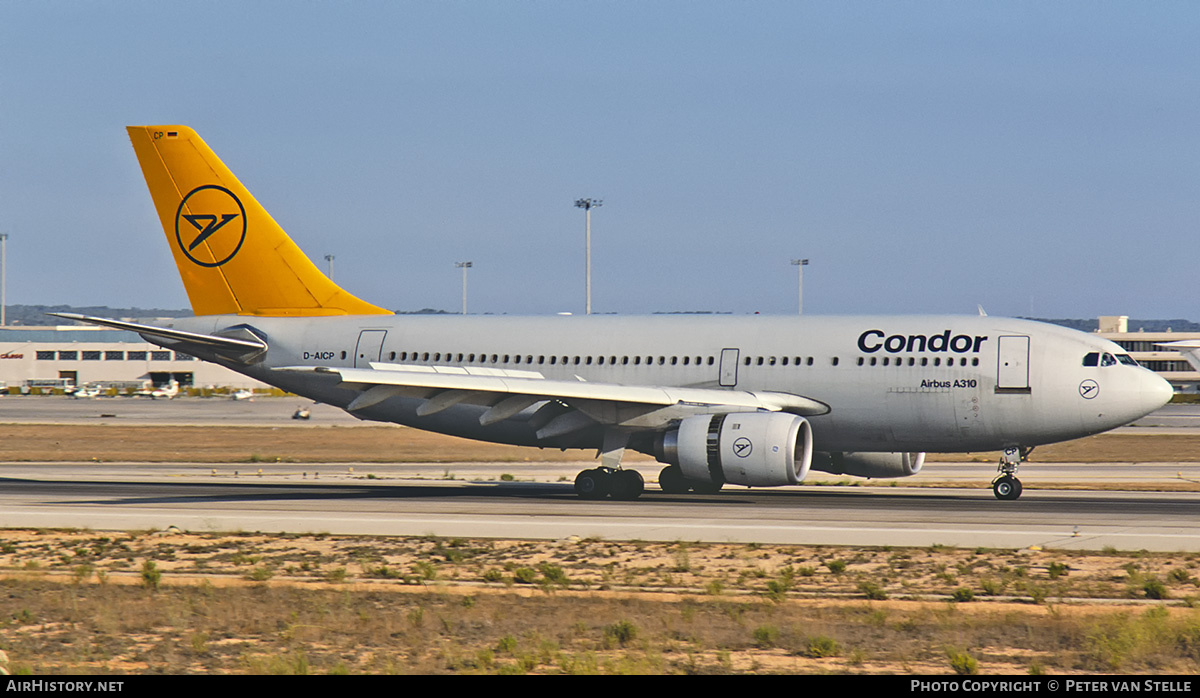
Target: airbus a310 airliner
(755,401)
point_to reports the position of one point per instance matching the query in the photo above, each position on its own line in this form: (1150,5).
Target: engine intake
(759,449)
(872,465)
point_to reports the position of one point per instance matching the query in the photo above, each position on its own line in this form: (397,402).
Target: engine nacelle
(873,465)
(760,449)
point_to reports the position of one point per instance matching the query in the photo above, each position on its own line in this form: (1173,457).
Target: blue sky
(1036,158)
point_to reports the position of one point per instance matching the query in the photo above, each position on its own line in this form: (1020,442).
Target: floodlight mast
(329,259)
(800,264)
(587,205)
(464,266)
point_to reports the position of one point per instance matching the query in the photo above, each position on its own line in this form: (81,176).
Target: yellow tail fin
(233,257)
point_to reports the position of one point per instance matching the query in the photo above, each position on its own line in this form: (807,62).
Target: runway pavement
(473,500)
(338,501)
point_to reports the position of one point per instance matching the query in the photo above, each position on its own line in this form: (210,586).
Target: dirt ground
(170,602)
(173,602)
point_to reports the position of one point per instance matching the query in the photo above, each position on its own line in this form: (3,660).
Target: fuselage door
(370,346)
(729,367)
(1012,364)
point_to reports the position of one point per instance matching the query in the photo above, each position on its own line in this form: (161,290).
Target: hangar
(59,357)
(1144,348)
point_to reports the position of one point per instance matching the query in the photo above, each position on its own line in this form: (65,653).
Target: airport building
(50,358)
(75,355)
(1144,348)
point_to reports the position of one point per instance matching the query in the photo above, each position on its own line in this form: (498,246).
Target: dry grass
(84,602)
(225,444)
(395,444)
(1103,448)
(79,602)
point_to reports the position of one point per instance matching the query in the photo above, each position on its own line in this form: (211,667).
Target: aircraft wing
(507,392)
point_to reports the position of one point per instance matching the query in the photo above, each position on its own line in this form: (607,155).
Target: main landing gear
(610,480)
(598,483)
(1006,485)
(672,481)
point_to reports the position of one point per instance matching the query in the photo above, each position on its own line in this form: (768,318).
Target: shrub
(823,646)
(554,574)
(622,633)
(963,595)
(1155,589)
(766,636)
(991,586)
(963,664)
(260,574)
(425,570)
(872,591)
(151,575)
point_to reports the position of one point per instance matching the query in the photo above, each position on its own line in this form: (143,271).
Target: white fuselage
(892,383)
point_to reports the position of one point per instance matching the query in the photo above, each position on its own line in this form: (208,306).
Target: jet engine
(760,449)
(873,465)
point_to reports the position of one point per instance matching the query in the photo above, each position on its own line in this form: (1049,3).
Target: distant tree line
(36,315)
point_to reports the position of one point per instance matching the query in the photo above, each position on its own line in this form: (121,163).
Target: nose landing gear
(1006,486)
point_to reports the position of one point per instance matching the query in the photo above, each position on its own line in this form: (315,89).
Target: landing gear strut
(1006,485)
(598,483)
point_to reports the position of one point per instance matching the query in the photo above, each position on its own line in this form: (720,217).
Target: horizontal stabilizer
(170,337)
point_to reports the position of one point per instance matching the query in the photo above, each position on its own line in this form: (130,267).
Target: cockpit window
(1108,360)
(1126,359)
(1092,359)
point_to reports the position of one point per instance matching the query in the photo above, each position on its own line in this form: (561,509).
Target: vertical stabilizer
(233,257)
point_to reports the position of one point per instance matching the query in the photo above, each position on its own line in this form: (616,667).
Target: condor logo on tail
(206,225)
(872,341)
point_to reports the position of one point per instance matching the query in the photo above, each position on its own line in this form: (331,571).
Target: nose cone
(1155,392)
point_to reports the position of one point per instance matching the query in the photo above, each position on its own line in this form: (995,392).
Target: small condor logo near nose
(1089,389)
(872,341)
